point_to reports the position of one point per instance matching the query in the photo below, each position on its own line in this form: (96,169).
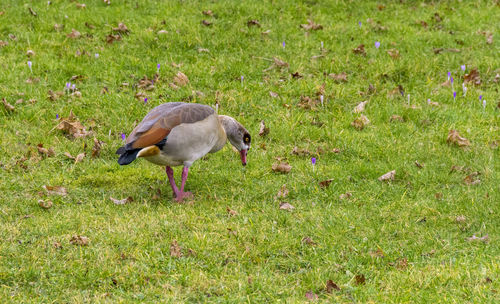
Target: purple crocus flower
(73,87)
(463,67)
(377,44)
(57,116)
(359,23)
(480,97)
(96,55)
(68,85)
(158,67)
(321,44)
(283,44)
(242,78)
(123,136)
(454,94)
(29,65)
(313,161)
(146,100)
(449,75)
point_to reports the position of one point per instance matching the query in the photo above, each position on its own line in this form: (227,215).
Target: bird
(177,134)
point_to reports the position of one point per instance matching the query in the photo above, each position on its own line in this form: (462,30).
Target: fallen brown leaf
(181,79)
(379,253)
(307,103)
(473,77)
(122,28)
(273,94)
(280,63)
(419,165)
(96,149)
(206,23)
(57,190)
(79,157)
(461,219)
(74,34)
(45,205)
(68,155)
(346,195)
(122,201)
(300,152)
(80,5)
(360,122)
(57,245)
(7,105)
(48,152)
(253,22)
(360,50)
(282,167)
(396,118)
(472,179)
(208,13)
(393,53)
(360,279)
(311,26)
(309,241)
(32,12)
(79,240)
(455,138)
(175,249)
(389,176)
(330,286)
(231,212)
(286,206)
(402,264)
(296,75)
(263,129)
(360,107)
(341,77)
(72,126)
(112,38)
(3,43)
(324,184)
(53,96)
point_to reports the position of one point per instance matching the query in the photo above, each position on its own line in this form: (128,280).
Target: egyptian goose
(178,133)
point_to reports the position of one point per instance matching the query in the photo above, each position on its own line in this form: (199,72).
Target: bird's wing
(161,120)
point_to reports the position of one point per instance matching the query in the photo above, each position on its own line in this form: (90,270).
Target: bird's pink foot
(180,196)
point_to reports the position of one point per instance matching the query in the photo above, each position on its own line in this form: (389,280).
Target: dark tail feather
(127,156)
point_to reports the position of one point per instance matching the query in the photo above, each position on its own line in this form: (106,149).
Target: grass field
(429,235)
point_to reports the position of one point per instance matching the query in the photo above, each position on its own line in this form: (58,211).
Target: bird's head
(237,135)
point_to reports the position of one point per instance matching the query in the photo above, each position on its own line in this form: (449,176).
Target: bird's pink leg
(181,194)
(170,174)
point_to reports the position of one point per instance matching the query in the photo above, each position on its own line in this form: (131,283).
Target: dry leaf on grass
(122,201)
(309,241)
(311,26)
(96,149)
(122,28)
(360,50)
(286,206)
(74,34)
(206,23)
(68,155)
(307,103)
(379,253)
(346,195)
(342,77)
(7,105)
(330,286)
(45,204)
(324,184)
(253,22)
(231,212)
(181,79)
(112,38)
(360,122)
(273,94)
(208,13)
(282,167)
(79,240)
(461,219)
(360,107)
(263,129)
(393,53)
(175,249)
(79,157)
(484,239)
(473,77)
(396,118)
(283,192)
(360,279)
(80,5)
(53,96)
(72,126)
(389,176)
(57,190)
(472,179)
(3,43)
(455,138)
(48,152)
(419,165)
(300,152)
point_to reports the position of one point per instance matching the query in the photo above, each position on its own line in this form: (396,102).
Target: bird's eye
(246,138)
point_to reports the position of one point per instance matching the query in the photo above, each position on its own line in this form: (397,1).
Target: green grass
(426,254)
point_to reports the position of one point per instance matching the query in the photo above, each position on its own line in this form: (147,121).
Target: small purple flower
(463,67)
(73,87)
(283,44)
(377,44)
(449,75)
(451,80)
(145,100)
(68,85)
(242,78)
(123,136)
(480,97)
(57,116)
(158,67)
(29,64)
(313,161)
(96,55)
(454,94)
(359,23)
(321,44)
(484,103)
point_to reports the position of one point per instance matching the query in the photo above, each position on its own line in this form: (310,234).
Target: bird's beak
(243,155)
